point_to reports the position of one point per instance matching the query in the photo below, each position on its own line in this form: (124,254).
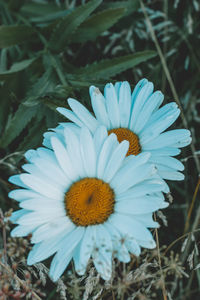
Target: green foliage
(55,49)
(31,51)
(111,67)
(17,67)
(97,23)
(14,34)
(65,28)
(19,121)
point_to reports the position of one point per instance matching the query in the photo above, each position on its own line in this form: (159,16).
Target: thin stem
(4,237)
(169,78)
(191,206)
(178,239)
(164,292)
(21,282)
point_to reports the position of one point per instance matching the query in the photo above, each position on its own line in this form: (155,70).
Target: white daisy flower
(135,117)
(85,198)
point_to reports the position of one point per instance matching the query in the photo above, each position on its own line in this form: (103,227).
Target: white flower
(134,117)
(86,198)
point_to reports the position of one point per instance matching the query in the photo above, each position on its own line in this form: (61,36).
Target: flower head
(135,117)
(83,197)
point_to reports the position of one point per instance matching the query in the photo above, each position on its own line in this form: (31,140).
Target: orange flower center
(126,134)
(89,201)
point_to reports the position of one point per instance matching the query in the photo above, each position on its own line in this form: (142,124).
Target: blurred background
(54,49)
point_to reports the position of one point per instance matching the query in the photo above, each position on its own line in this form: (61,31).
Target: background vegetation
(53,49)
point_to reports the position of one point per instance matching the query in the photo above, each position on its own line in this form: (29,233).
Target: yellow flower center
(89,201)
(126,134)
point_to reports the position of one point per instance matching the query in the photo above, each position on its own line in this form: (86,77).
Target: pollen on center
(126,134)
(89,201)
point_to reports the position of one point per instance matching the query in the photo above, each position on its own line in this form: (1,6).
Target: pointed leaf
(110,67)
(19,121)
(97,24)
(15,34)
(129,5)
(17,67)
(64,29)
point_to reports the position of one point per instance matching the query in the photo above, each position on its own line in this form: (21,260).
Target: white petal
(126,178)
(16,179)
(132,246)
(112,105)
(124,103)
(168,139)
(153,102)
(100,136)
(84,251)
(106,151)
(137,89)
(127,225)
(88,153)
(147,220)
(119,249)
(155,128)
(52,229)
(42,203)
(98,105)
(167,151)
(65,253)
(115,161)
(141,205)
(70,115)
(117,88)
(147,244)
(38,218)
(168,161)
(165,110)
(18,214)
(83,114)
(102,257)
(45,249)
(23,194)
(43,168)
(169,173)
(42,187)
(64,159)
(141,189)
(141,98)
(73,148)
(30,154)
(22,230)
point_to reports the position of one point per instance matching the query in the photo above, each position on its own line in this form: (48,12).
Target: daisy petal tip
(91,89)
(60,110)
(106,275)
(10,194)
(152,244)
(11,179)
(53,276)
(13,232)
(71,101)
(30,261)
(164,204)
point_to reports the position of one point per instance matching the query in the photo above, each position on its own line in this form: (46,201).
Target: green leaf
(97,24)
(17,123)
(15,5)
(15,34)
(65,28)
(129,5)
(41,86)
(31,8)
(110,67)
(34,135)
(17,67)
